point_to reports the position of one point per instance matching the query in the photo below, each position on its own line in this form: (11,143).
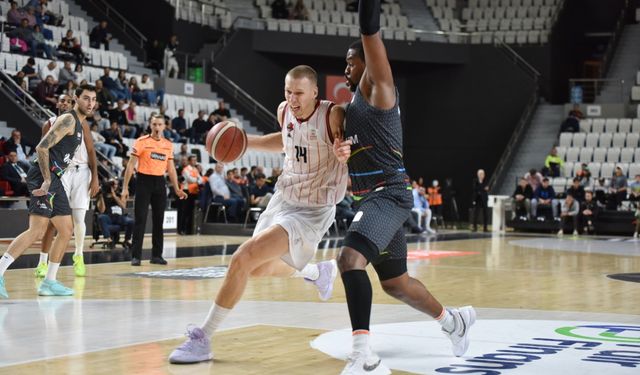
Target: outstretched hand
(342,149)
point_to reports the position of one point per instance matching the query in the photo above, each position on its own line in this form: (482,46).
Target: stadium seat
(611,125)
(624,126)
(568,168)
(566,139)
(635,93)
(592,139)
(619,140)
(594,168)
(586,154)
(606,170)
(573,154)
(562,152)
(585,125)
(600,155)
(598,125)
(613,155)
(521,38)
(578,139)
(635,125)
(626,155)
(632,140)
(634,170)
(605,140)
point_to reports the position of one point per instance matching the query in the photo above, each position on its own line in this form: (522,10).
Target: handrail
(257,109)
(32,107)
(127,27)
(615,38)
(530,70)
(222,41)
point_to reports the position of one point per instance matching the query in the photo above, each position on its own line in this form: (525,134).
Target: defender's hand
(342,149)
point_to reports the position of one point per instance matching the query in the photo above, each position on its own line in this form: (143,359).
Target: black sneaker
(158,260)
(135,261)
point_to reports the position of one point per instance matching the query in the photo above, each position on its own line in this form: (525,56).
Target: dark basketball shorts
(379,225)
(54,203)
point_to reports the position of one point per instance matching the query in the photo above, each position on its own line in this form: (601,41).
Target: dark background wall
(459,104)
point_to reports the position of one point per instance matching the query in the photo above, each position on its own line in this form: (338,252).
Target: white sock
(43,258)
(361,341)
(214,318)
(310,271)
(5,262)
(52,271)
(446,320)
(79,229)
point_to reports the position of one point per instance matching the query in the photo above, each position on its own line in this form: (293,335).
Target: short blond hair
(304,71)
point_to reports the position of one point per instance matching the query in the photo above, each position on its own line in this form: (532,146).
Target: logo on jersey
(157,156)
(313,135)
(353,139)
(79,135)
(289,129)
(67,158)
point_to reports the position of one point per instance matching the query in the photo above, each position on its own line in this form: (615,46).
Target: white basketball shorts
(305,225)
(76,181)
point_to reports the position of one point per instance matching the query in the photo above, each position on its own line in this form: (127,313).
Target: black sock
(357,287)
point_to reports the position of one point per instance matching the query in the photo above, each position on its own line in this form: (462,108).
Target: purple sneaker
(327,275)
(196,349)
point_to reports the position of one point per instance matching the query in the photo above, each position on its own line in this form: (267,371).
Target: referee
(154,156)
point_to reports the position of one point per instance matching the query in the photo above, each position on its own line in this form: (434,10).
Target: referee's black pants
(149,190)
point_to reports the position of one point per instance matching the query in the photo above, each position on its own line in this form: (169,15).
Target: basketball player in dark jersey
(48,198)
(383,192)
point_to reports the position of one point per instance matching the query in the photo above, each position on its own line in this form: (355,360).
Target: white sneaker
(431,231)
(365,363)
(464,318)
(575,232)
(635,235)
(560,233)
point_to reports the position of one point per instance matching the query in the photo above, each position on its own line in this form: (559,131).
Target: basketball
(226,142)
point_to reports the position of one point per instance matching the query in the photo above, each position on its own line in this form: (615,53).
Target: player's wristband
(369,12)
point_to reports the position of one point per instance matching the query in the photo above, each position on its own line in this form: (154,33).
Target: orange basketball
(226,142)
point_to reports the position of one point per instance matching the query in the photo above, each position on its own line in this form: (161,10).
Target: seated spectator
(344,209)
(79,71)
(113,85)
(569,214)
(12,171)
(522,200)
(184,152)
(421,207)
(30,16)
(171,134)
(601,188)
(24,33)
(588,213)
(179,126)
(66,75)
(572,123)
(45,16)
(46,93)
(123,83)
(636,234)
(222,113)
(584,175)
(149,93)
(261,193)
(70,44)
(576,190)
(134,89)
(133,117)
(51,69)
(634,189)
(38,44)
(299,11)
(104,99)
(221,193)
(100,36)
(198,128)
(173,68)
(544,197)
(15,143)
(617,190)
(68,89)
(103,123)
(31,74)
(112,217)
(279,9)
(113,136)
(15,15)
(553,164)
(20,80)
(273,179)
(99,142)
(234,188)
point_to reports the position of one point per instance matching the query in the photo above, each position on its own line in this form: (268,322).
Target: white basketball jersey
(81,156)
(311,175)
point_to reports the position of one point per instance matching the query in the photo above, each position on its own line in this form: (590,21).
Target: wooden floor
(121,323)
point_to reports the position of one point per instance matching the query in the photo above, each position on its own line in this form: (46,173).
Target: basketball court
(545,305)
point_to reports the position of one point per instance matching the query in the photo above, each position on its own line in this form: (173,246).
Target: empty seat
(592,139)
(624,126)
(509,37)
(600,154)
(585,154)
(594,168)
(605,140)
(613,155)
(619,140)
(534,37)
(562,152)
(635,125)
(632,140)
(559,184)
(606,170)
(521,38)
(566,139)
(634,170)
(611,125)
(585,125)
(626,155)
(573,154)
(527,24)
(597,126)
(568,168)
(635,93)
(540,23)
(516,24)
(578,139)
(505,24)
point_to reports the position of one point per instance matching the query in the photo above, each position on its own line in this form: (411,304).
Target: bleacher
(603,144)
(513,21)
(205,12)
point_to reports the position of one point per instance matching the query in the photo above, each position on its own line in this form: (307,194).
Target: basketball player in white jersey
(313,181)
(80,183)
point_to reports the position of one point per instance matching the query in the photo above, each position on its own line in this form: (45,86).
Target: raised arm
(377,81)
(270,142)
(65,125)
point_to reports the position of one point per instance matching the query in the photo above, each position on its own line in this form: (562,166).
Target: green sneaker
(41,270)
(78,265)
(3,291)
(53,288)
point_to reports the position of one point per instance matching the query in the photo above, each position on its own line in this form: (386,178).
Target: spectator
(66,75)
(589,213)
(584,175)
(553,164)
(16,144)
(421,207)
(634,189)
(569,214)
(23,33)
(544,197)
(617,190)
(198,127)
(179,125)
(170,53)
(222,113)
(184,152)
(112,217)
(30,16)
(100,36)
(134,89)
(51,69)
(20,80)
(69,44)
(576,190)
(15,15)
(99,142)
(68,89)
(16,176)
(534,179)
(155,56)
(636,234)
(37,43)
(119,114)
(103,123)
(435,198)
(191,185)
(261,193)
(273,179)
(601,188)
(30,73)
(133,118)
(522,200)
(572,123)
(149,93)
(46,93)
(299,11)
(115,86)
(279,9)
(480,199)
(123,84)
(234,188)
(222,194)
(104,99)
(251,176)
(171,134)
(243,176)
(113,137)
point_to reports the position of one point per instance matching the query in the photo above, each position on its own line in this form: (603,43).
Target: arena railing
(613,42)
(23,98)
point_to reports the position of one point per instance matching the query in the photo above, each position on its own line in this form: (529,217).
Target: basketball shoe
(53,288)
(327,275)
(78,265)
(196,349)
(464,318)
(365,363)
(41,270)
